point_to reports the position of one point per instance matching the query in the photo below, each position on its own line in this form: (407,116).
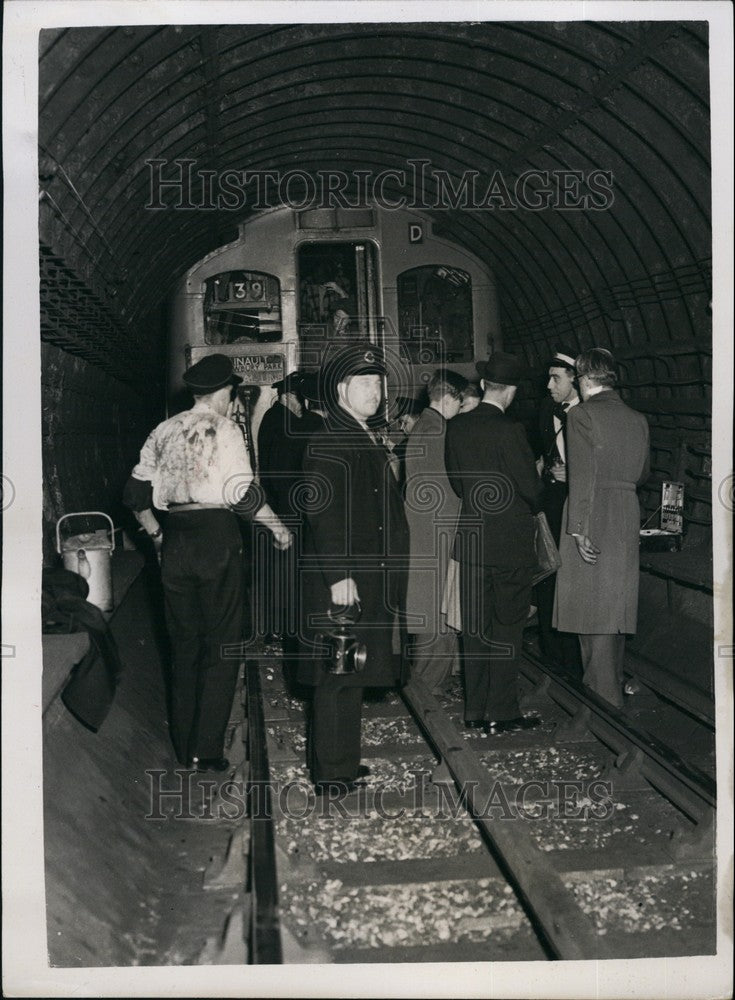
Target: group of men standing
(385,546)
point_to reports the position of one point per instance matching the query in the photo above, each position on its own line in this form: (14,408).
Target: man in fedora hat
(561,648)
(354,556)
(195,466)
(492,470)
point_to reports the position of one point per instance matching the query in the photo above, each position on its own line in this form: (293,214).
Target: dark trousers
(334,750)
(603,657)
(495,607)
(202,575)
(278,594)
(560,647)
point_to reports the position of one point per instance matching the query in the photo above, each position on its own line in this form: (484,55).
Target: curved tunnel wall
(630,98)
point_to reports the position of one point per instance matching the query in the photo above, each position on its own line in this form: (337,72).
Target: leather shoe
(363,771)
(517,725)
(337,787)
(475,724)
(210,763)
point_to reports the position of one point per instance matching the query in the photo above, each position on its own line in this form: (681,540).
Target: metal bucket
(90,555)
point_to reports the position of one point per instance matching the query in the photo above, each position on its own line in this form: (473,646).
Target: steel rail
(265,934)
(565,929)
(692,791)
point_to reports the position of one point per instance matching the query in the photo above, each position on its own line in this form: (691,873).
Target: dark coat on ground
(355,526)
(432,510)
(491,468)
(608,455)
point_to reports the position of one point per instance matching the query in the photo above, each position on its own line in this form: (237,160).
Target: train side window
(434,311)
(242,307)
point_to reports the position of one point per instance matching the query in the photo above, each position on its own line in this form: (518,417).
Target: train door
(338,292)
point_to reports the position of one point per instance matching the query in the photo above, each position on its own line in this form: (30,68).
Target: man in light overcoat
(597,583)
(432,509)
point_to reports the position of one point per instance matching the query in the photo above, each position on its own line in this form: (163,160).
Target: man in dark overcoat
(492,470)
(597,583)
(354,554)
(282,438)
(561,648)
(281,441)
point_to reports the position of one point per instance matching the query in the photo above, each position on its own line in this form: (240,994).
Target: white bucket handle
(85,513)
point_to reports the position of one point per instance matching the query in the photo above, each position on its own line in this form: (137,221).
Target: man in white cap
(561,648)
(195,466)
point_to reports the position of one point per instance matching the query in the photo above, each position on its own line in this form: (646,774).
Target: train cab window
(242,307)
(338,290)
(435,307)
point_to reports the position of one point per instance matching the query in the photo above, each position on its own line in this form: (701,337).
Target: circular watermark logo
(493,495)
(312,495)
(424,496)
(726,493)
(242,492)
(7,491)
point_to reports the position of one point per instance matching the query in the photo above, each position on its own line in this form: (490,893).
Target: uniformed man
(560,648)
(355,555)
(195,466)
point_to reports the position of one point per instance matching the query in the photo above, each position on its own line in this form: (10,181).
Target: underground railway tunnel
(586,148)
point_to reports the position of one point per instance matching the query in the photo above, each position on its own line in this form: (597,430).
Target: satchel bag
(548,560)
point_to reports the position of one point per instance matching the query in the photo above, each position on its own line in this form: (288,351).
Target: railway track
(578,840)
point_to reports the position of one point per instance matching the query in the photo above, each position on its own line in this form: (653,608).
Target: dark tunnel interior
(627,98)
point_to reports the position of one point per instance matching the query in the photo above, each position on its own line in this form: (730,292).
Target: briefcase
(547,554)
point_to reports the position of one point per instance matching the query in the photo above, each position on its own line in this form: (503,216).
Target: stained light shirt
(197,456)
